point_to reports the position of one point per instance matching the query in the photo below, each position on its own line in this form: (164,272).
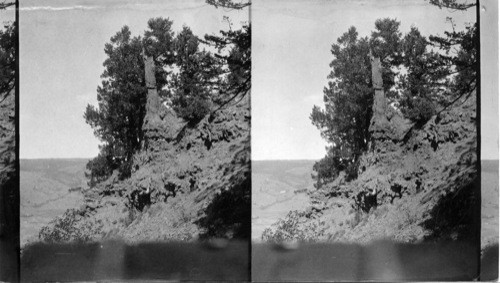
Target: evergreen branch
(244,88)
(229,4)
(460,96)
(4,5)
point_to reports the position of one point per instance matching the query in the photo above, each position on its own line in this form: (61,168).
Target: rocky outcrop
(413,183)
(160,123)
(386,122)
(177,179)
(180,175)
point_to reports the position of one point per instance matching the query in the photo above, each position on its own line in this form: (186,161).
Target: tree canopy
(229,4)
(8,38)
(348,98)
(118,118)
(421,77)
(195,81)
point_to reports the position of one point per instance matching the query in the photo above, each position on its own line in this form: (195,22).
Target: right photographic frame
(370,159)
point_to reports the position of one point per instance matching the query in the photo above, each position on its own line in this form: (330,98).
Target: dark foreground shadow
(489,264)
(9,225)
(115,260)
(380,261)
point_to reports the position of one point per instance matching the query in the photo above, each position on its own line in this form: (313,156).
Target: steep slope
(415,182)
(425,183)
(9,194)
(189,181)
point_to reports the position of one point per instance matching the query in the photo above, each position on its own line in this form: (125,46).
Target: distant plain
(274,186)
(45,192)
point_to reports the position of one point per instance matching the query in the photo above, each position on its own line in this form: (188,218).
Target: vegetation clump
(421,77)
(141,180)
(191,80)
(419,185)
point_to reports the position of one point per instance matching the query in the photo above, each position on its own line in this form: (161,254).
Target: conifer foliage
(421,77)
(195,76)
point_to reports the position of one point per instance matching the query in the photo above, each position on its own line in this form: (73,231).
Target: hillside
(45,190)
(9,196)
(278,187)
(68,171)
(424,178)
(188,182)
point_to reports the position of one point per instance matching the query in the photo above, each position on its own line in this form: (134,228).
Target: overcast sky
(62,51)
(291,57)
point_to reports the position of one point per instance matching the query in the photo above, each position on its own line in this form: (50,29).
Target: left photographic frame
(135,134)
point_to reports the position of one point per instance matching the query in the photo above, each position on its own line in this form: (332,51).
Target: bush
(326,170)
(352,170)
(292,228)
(418,109)
(98,169)
(193,109)
(69,228)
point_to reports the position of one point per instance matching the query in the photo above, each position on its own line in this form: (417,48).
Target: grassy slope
(44,191)
(278,175)
(273,186)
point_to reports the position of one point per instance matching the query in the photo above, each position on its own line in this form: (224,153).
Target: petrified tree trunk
(379,101)
(378,123)
(386,122)
(160,124)
(152,122)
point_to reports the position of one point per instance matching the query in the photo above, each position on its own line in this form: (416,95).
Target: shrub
(68,228)
(418,109)
(193,109)
(292,228)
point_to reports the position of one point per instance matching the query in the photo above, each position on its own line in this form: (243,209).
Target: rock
(185,177)
(160,123)
(419,174)
(386,123)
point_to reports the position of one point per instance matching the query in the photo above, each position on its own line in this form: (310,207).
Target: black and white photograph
(365,158)
(134,140)
(9,175)
(164,140)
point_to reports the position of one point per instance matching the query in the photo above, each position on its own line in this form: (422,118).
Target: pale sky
(62,42)
(61,56)
(291,56)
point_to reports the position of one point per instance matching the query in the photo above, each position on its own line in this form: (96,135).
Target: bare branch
(453,4)
(4,5)
(229,4)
